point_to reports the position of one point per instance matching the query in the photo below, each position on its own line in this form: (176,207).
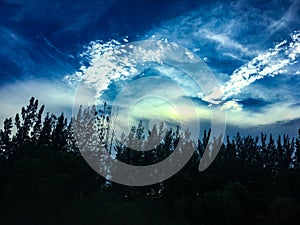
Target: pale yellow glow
(241,117)
(154,108)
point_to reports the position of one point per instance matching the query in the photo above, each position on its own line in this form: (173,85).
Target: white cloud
(271,63)
(110,63)
(194,31)
(113,61)
(226,42)
(270,114)
(231,105)
(229,26)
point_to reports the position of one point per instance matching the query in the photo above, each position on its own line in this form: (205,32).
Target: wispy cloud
(292,14)
(107,65)
(51,45)
(271,63)
(113,61)
(237,30)
(225,42)
(219,36)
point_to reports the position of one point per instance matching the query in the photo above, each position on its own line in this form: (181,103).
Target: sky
(49,49)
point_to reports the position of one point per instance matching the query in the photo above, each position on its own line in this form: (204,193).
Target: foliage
(44,179)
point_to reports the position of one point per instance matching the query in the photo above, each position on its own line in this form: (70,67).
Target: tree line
(44,178)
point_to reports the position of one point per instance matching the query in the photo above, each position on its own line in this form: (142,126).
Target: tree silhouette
(5,139)
(45,180)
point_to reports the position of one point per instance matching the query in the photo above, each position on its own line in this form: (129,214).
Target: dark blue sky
(42,42)
(36,34)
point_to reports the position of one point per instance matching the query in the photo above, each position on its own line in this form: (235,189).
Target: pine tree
(297,150)
(71,141)
(279,154)
(271,154)
(26,129)
(59,134)
(288,149)
(5,139)
(36,132)
(46,131)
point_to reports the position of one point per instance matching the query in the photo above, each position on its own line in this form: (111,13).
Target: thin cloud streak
(289,16)
(269,64)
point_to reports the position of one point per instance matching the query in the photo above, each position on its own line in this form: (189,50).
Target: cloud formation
(271,63)
(234,50)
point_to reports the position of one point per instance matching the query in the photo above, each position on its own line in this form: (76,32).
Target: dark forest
(45,180)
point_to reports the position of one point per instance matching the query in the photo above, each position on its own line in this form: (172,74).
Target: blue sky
(252,47)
